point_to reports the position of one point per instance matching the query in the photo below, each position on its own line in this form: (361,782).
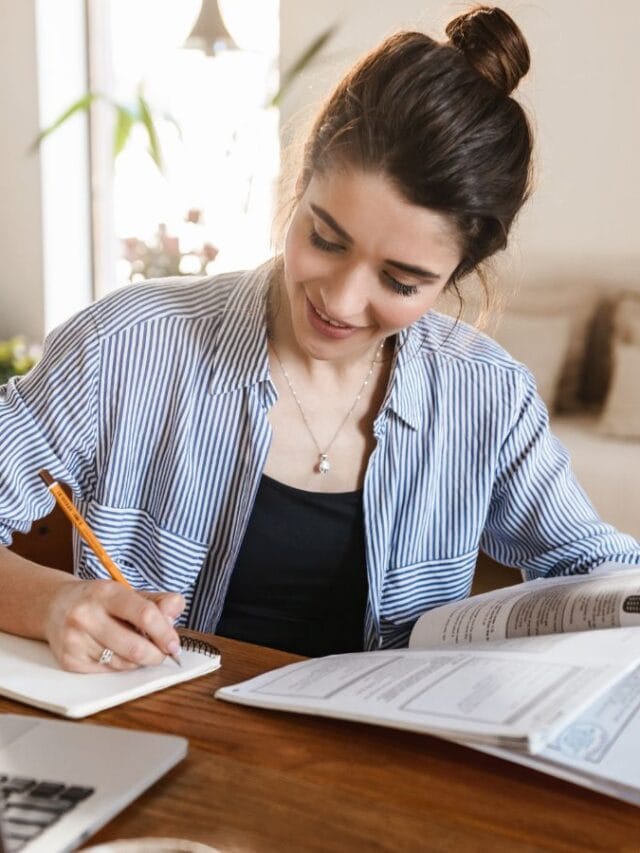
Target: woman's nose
(346,295)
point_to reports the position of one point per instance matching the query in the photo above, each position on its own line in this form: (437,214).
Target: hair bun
(493,44)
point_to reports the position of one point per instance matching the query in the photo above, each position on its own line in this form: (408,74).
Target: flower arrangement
(17,357)
(169,255)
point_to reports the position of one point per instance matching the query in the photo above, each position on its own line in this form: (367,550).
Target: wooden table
(257,780)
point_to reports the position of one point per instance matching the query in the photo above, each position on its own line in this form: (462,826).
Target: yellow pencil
(67,506)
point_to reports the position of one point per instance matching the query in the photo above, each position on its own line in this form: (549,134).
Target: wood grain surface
(258,780)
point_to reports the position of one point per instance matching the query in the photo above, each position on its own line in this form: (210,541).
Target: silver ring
(106,656)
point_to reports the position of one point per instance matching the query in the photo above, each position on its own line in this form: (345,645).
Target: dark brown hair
(437,121)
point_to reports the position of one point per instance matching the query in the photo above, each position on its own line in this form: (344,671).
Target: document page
(605,599)
(599,749)
(520,696)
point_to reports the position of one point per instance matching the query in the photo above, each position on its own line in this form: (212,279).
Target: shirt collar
(241,353)
(409,396)
(240,349)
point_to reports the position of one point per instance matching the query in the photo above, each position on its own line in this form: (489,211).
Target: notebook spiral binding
(193,644)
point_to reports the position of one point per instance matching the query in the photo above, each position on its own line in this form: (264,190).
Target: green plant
(16,358)
(127,117)
(139,112)
(306,57)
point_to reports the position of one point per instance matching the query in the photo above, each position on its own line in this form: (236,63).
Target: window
(212,208)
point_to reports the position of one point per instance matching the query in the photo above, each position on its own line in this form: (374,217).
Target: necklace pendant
(324,466)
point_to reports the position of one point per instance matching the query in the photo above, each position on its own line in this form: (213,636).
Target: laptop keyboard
(29,806)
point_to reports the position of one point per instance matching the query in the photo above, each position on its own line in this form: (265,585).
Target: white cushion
(540,342)
(627,321)
(621,414)
(606,469)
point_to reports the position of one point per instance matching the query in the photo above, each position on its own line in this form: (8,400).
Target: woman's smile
(327,326)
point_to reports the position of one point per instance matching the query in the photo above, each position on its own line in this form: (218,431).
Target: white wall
(45,252)
(64,160)
(21,261)
(582,91)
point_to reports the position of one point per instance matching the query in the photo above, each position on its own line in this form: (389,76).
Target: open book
(29,673)
(598,749)
(510,668)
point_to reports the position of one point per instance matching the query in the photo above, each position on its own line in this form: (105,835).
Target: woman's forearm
(27,592)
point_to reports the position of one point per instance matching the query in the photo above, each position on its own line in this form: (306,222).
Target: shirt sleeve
(48,420)
(540,520)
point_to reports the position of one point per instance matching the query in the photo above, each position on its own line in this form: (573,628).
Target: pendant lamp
(209,33)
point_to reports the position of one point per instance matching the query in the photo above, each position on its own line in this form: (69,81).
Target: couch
(582,344)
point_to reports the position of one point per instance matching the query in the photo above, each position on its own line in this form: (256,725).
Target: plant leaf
(171,120)
(306,57)
(122,130)
(81,105)
(147,120)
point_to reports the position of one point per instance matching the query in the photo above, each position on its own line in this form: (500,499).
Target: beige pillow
(627,321)
(621,414)
(540,342)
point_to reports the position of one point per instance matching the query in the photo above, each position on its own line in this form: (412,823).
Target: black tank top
(300,580)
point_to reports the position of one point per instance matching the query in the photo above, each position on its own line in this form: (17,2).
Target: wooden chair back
(49,542)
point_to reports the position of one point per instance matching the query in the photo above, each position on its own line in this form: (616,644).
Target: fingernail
(174,647)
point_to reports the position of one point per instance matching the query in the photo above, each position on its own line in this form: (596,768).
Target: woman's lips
(325,327)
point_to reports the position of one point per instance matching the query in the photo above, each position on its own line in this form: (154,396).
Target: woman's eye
(325,246)
(399,287)
(320,243)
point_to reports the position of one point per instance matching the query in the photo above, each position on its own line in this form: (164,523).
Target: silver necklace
(324,465)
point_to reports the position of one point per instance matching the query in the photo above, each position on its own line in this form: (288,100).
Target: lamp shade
(209,33)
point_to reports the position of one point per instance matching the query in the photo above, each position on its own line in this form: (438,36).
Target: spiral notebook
(29,673)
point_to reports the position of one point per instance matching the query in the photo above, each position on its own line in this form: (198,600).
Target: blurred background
(201,101)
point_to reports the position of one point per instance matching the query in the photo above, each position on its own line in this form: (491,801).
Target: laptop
(61,781)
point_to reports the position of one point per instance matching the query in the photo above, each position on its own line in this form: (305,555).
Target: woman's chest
(327,454)
(322,440)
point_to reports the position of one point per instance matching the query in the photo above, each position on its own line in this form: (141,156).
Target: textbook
(509,668)
(29,673)
(598,749)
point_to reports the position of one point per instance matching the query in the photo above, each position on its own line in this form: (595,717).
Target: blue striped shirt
(152,405)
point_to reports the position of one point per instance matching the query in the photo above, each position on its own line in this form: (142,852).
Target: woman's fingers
(92,656)
(128,644)
(171,604)
(154,636)
(88,617)
(79,652)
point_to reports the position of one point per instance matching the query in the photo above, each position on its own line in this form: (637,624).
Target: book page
(599,749)
(602,599)
(498,696)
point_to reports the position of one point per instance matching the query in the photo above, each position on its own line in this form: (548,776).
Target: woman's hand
(87,617)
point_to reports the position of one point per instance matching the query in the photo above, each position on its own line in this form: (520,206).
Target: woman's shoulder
(469,364)
(188,299)
(449,338)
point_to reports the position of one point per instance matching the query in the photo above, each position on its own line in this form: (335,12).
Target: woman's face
(361,263)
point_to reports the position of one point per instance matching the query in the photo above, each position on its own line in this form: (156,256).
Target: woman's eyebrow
(410,268)
(330,221)
(321,213)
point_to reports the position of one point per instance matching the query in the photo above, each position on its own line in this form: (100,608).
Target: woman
(307,455)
